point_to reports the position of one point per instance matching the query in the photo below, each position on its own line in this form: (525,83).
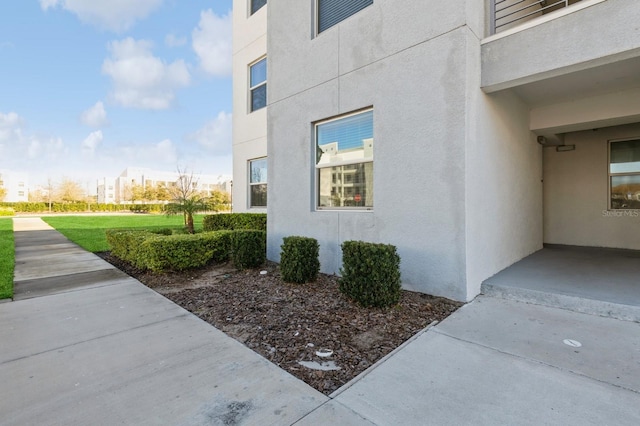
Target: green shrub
(248,248)
(125,244)
(370,273)
(162,231)
(7,211)
(158,252)
(231,221)
(75,207)
(299,259)
(179,252)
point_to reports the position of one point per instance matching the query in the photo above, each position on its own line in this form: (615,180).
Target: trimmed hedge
(370,273)
(7,211)
(126,244)
(233,221)
(157,252)
(299,259)
(29,207)
(248,248)
(180,252)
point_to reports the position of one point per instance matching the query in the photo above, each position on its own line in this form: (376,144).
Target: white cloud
(22,149)
(91,143)
(172,40)
(150,155)
(212,43)
(165,152)
(95,116)
(140,79)
(10,127)
(51,149)
(114,15)
(215,135)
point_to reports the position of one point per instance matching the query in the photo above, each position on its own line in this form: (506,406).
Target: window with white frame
(257,5)
(258,182)
(331,12)
(344,161)
(258,84)
(624,174)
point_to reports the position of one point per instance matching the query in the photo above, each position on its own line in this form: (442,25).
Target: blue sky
(90,87)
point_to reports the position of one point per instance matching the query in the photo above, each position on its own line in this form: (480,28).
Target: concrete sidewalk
(112,351)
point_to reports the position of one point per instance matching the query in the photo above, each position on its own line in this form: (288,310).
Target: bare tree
(69,191)
(187,199)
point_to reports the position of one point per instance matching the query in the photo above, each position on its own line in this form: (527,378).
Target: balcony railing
(509,13)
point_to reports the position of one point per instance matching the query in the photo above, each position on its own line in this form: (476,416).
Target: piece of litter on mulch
(324,353)
(322,366)
(263,272)
(310,345)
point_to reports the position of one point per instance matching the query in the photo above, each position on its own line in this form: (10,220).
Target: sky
(91,87)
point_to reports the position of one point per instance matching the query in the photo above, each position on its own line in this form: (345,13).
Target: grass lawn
(88,231)
(7,257)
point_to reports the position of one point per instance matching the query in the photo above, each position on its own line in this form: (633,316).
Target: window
(331,12)
(624,174)
(344,161)
(20,193)
(258,84)
(258,183)
(257,5)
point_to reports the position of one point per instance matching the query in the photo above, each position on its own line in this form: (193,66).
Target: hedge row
(7,211)
(23,207)
(158,253)
(232,221)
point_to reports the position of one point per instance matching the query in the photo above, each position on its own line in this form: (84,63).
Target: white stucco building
(16,185)
(117,190)
(249,105)
(492,137)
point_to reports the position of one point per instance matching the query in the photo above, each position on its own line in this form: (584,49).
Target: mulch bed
(289,323)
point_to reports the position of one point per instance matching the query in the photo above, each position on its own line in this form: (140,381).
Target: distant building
(118,190)
(16,184)
(106,191)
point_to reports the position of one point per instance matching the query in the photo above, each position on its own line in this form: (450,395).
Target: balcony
(506,14)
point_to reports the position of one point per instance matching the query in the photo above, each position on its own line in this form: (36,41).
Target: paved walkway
(94,346)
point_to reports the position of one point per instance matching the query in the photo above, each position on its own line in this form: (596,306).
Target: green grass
(7,258)
(88,231)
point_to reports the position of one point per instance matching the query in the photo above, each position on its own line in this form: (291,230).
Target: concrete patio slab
(592,280)
(440,380)
(609,350)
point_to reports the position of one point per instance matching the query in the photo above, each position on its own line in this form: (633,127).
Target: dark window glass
(258,84)
(258,183)
(259,97)
(259,195)
(331,12)
(257,5)
(624,172)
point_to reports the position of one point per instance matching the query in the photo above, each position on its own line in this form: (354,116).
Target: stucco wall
(608,28)
(249,128)
(576,191)
(503,180)
(415,79)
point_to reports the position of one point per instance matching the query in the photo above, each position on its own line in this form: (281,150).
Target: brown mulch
(288,323)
